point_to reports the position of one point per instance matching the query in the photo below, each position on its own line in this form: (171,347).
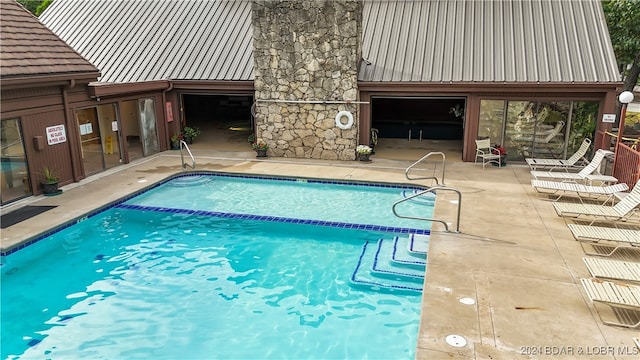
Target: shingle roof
(404,40)
(28,48)
(487,41)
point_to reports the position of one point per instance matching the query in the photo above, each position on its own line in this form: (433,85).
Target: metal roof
(487,41)
(403,40)
(30,49)
(132,41)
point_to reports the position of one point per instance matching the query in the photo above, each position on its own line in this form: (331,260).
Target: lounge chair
(585,175)
(613,269)
(559,189)
(612,238)
(622,211)
(572,162)
(624,300)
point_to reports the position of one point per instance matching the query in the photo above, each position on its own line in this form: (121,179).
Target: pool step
(385,266)
(392,264)
(402,255)
(418,244)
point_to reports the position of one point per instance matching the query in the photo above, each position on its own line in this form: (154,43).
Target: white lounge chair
(622,211)
(582,191)
(611,238)
(623,298)
(613,269)
(587,174)
(572,162)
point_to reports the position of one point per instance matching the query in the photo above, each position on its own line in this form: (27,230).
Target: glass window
(551,129)
(14,176)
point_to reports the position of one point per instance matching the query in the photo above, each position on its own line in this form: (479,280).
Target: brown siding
(55,157)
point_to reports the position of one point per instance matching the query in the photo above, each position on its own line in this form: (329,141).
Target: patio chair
(622,298)
(580,190)
(585,175)
(609,237)
(487,153)
(613,269)
(570,163)
(621,211)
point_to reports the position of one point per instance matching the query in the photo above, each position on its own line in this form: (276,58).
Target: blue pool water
(145,279)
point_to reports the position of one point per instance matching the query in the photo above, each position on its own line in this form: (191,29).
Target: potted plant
(364,152)
(260,146)
(499,150)
(189,133)
(175,141)
(50,182)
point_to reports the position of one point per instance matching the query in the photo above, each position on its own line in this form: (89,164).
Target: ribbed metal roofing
(403,40)
(30,49)
(487,41)
(132,41)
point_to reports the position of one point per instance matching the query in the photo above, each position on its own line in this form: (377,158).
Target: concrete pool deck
(514,256)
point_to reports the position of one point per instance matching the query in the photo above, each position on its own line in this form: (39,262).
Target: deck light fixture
(625,98)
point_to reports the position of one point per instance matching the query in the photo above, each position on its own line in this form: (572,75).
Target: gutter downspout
(72,132)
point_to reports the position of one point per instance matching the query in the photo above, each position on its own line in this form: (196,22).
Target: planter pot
(175,145)
(50,188)
(261,153)
(188,140)
(364,157)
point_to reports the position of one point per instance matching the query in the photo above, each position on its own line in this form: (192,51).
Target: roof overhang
(487,87)
(218,85)
(98,89)
(71,79)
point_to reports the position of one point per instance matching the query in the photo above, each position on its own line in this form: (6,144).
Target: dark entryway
(218,111)
(222,119)
(427,118)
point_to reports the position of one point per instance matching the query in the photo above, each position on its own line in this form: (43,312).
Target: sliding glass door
(551,129)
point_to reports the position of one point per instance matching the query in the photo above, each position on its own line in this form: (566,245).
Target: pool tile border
(119,203)
(280,219)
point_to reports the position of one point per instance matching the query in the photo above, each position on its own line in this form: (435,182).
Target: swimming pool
(151,280)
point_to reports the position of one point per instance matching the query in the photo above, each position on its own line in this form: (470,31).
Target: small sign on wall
(56,134)
(86,129)
(169,111)
(609,118)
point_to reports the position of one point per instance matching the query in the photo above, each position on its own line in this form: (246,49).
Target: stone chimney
(306,55)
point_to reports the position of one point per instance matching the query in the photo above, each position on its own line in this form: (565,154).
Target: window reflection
(14,176)
(550,129)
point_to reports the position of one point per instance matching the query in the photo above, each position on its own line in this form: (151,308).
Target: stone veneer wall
(306,50)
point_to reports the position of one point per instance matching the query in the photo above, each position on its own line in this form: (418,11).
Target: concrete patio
(513,256)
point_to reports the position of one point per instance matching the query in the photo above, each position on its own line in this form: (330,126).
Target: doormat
(22,214)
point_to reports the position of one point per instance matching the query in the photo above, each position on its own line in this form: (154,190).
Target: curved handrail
(432,190)
(406,172)
(183,144)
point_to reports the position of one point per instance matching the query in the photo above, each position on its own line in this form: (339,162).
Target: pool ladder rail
(433,153)
(183,145)
(433,190)
(439,186)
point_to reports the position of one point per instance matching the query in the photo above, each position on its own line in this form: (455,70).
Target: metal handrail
(432,190)
(406,172)
(183,144)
